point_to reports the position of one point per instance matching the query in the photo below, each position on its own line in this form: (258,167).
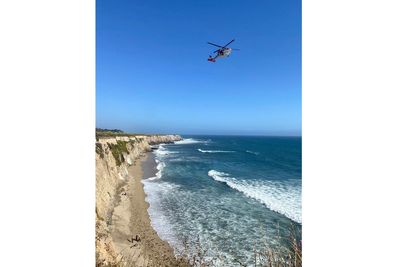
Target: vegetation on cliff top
(109,133)
(116,132)
(117,150)
(108,130)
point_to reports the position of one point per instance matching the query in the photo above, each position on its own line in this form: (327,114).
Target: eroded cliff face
(113,156)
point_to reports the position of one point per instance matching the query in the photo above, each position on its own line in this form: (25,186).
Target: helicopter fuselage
(224,52)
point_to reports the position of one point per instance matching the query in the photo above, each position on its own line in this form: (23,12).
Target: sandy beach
(135,241)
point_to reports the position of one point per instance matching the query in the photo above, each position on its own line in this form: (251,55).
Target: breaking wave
(160,167)
(155,193)
(214,151)
(283,197)
(162,151)
(189,141)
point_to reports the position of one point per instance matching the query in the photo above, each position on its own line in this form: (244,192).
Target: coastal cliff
(116,182)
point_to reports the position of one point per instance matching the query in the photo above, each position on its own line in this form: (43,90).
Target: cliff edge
(117,181)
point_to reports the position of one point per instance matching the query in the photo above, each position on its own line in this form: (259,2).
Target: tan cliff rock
(114,155)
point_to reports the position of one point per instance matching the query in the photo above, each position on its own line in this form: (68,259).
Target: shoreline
(124,235)
(149,166)
(133,236)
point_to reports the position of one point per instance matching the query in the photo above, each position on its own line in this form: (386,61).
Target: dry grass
(289,255)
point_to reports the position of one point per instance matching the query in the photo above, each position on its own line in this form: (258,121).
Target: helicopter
(223,51)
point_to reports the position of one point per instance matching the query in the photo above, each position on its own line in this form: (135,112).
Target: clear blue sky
(152,73)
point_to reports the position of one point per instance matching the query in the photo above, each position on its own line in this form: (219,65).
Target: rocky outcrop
(157,139)
(113,157)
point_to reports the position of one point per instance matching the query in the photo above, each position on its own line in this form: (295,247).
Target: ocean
(232,194)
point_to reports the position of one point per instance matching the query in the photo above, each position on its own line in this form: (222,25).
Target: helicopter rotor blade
(214,44)
(228,43)
(216,50)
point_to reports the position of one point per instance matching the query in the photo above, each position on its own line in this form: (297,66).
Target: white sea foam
(176,213)
(160,167)
(252,152)
(155,193)
(283,197)
(214,151)
(189,141)
(162,151)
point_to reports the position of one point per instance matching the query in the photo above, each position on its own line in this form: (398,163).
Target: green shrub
(117,150)
(99,150)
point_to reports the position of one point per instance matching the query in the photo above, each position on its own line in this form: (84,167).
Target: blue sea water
(232,193)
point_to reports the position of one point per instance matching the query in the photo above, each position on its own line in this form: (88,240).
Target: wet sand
(149,166)
(136,242)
